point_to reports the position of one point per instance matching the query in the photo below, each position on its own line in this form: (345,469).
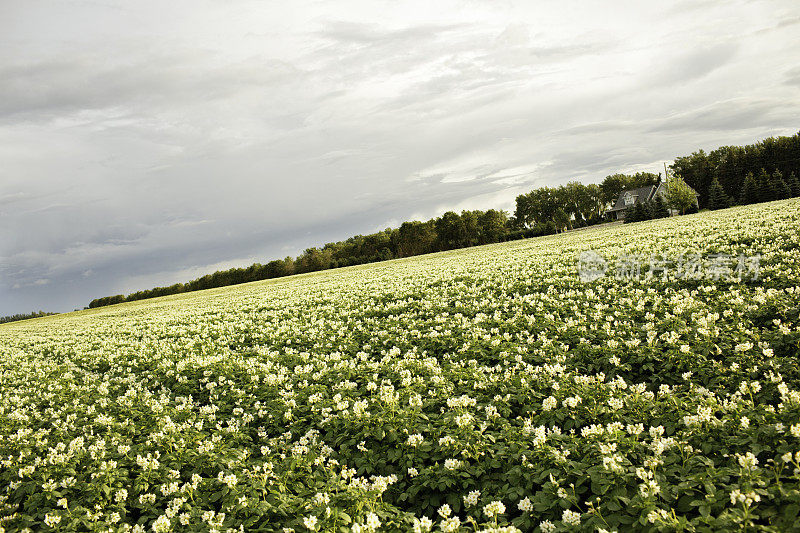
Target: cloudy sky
(145,143)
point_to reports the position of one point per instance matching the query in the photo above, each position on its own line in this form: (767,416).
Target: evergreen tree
(717,199)
(786,191)
(657,208)
(749,190)
(780,190)
(647,210)
(630,215)
(764,187)
(637,213)
(794,184)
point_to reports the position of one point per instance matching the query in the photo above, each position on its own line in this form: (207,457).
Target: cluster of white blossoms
(747,461)
(472,498)
(494,508)
(748,498)
(422,525)
(310,522)
(365,398)
(415,440)
(452,464)
(571,518)
(372,523)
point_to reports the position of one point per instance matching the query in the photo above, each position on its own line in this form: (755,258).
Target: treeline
(761,172)
(449,231)
(542,211)
(14,318)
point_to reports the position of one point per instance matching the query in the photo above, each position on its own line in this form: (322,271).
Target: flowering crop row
(486,389)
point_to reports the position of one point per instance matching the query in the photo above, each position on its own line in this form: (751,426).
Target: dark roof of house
(640,196)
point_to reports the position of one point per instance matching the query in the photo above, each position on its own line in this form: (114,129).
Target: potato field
(484,389)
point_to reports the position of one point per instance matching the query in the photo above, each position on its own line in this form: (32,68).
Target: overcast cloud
(146,143)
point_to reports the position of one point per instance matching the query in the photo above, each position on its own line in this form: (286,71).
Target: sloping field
(477,389)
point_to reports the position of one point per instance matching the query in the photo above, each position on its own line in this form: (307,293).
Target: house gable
(631,197)
(628,199)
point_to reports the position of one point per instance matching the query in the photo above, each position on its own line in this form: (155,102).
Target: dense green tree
(590,203)
(107,300)
(470,221)
(764,181)
(569,198)
(637,213)
(377,245)
(717,197)
(697,171)
(779,189)
(492,225)
(450,231)
(679,195)
(415,238)
(313,259)
(278,268)
(536,207)
(523,213)
(656,208)
(561,220)
(750,191)
(794,184)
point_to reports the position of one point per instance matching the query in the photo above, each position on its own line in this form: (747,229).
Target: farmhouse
(632,197)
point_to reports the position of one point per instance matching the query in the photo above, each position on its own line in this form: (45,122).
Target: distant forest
(14,318)
(729,175)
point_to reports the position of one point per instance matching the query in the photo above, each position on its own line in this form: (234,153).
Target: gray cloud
(793,77)
(788,21)
(50,89)
(732,114)
(694,64)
